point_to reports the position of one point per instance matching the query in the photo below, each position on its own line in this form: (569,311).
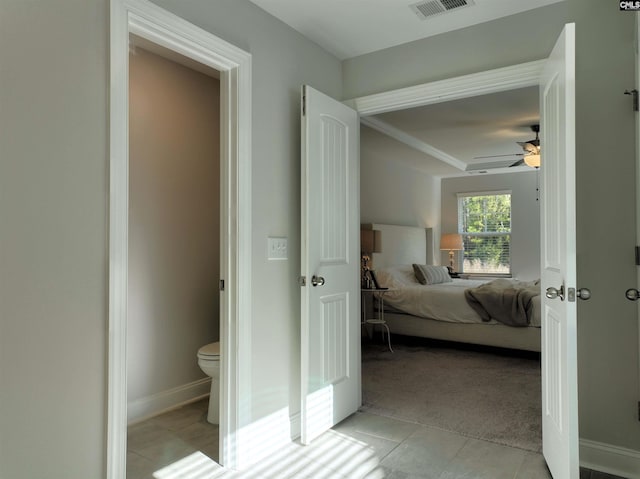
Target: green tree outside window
(484,221)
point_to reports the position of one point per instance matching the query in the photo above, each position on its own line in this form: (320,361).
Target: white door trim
(637,120)
(143,18)
(455,88)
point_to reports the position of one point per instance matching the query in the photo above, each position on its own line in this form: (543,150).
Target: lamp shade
(451,242)
(371,241)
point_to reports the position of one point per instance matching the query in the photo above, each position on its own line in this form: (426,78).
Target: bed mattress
(443,301)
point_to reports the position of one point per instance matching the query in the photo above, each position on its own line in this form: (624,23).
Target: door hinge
(304,105)
(637,255)
(302,280)
(221,285)
(634,94)
(638,410)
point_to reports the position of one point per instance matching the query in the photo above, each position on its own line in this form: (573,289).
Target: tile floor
(181,444)
(162,440)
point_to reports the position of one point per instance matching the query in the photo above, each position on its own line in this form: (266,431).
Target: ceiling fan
(531,154)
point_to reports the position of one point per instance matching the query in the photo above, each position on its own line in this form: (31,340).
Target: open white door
(330,263)
(559,350)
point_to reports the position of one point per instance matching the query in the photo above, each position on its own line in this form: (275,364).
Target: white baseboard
(150,406)
(295,422)
(611,459)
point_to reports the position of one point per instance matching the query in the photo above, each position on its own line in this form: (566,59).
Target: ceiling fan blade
(517,163)
(496,156)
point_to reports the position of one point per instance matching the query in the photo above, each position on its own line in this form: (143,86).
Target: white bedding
(444,301)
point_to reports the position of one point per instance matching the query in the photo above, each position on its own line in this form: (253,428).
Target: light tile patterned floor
(181,444)
(165,439)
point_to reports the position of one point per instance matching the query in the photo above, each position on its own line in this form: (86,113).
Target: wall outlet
(277,248)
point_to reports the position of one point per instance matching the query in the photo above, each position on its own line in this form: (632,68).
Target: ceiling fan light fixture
(532,160)
(531,148)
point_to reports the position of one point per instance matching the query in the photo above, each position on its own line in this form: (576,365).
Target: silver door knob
(583,293)
(317,280)
(632,294)
(553,293)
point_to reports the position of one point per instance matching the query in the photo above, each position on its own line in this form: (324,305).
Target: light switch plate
(277,248)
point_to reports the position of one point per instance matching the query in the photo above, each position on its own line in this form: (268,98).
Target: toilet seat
(210,351)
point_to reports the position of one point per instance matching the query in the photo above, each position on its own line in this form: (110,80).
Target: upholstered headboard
(402,245)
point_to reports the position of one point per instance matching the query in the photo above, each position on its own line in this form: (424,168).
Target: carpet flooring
(484,393)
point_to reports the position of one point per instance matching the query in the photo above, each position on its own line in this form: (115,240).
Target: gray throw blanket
(504,300)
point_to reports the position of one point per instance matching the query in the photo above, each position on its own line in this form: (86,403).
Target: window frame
(460,196)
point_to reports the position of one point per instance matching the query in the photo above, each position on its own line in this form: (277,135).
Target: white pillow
(429,274)
(396,276)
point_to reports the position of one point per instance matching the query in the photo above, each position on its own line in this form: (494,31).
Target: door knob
(317,280)
(553,293)
(632,294)
(583,293)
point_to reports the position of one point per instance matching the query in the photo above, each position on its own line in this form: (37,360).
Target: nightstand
(379,320)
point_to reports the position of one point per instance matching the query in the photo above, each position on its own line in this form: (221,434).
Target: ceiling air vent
(437,7)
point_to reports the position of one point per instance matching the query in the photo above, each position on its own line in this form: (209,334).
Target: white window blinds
(484,221)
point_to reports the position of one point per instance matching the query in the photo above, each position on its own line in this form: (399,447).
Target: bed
(440,311)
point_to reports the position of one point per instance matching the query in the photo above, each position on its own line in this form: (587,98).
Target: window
(484,221)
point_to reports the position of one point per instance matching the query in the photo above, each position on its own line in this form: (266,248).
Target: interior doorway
(174,247)
(157,26)
(521,76)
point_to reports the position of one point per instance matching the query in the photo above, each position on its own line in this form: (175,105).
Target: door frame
(491,81)
(455,88)
(637,162)
(144,19)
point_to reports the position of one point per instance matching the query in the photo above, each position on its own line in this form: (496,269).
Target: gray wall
(53,238)
(525,215)
(54,207)
(607,325)
(174,224)
(605,139)
(496,44)
(282,60)
(392,189)
(54,212)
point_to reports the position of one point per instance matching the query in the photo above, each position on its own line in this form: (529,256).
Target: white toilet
(209,362)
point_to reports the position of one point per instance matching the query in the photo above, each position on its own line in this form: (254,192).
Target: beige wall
(174,218)
(525,215)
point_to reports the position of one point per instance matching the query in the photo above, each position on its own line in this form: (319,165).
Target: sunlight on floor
(348,457)
(181,444)
(194,466)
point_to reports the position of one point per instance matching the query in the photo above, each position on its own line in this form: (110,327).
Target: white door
(559,355)
(330,263)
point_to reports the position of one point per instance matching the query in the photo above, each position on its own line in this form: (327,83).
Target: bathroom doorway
(160,27)
(174,252)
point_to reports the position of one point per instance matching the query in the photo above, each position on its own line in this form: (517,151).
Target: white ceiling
(468,128)
(376,146)
(443,138)
(348,28)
